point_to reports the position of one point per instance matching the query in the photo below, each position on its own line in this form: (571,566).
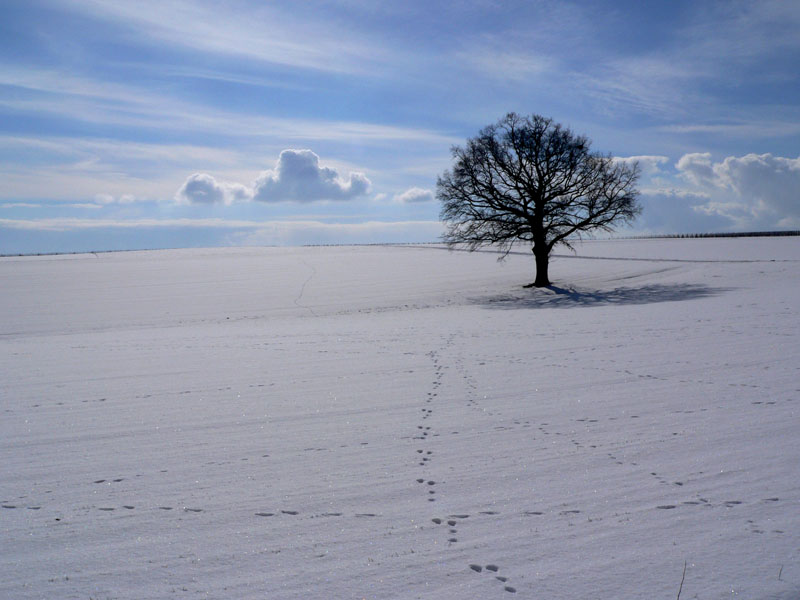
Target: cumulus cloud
(299,177)
(755,190)
(649,164)
(679,211)
(773,180)
(697,168)
(201,188)
(109,199)
(414,195)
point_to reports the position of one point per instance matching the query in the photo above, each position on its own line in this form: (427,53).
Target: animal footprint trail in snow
(493,569)
(424,433)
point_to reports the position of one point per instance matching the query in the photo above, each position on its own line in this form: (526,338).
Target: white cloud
(754,127)
(753,191)
(21,205)
(82,205)
(649,164)
(721,42)
(697,168)
(91,205)
(264,32)
(201,188)
(772,180)
(96,101)
(104,199)
(414,195)
(678,211)
(673,192)
(299,177)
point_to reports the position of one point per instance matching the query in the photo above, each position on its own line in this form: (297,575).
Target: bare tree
(531,180)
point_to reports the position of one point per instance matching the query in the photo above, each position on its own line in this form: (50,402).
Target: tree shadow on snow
(559,297)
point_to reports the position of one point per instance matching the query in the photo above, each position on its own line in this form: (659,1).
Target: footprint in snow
(494,569)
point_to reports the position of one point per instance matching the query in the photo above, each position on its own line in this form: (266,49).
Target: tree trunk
(542,261)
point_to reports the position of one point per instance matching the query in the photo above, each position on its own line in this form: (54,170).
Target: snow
(288,423)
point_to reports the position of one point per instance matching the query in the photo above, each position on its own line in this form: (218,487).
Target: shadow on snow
(559,297)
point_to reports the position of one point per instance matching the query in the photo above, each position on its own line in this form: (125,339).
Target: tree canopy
(528,179)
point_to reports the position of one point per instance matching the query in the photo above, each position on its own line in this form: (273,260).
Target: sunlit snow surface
(402,422)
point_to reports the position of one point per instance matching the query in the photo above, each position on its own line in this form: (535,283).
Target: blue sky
(153,124)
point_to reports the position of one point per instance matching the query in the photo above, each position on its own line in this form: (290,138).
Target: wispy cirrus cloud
(749,129)
(85,99)
(693,68)
(261,32)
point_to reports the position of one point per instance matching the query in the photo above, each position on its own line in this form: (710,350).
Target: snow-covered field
(402,422)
